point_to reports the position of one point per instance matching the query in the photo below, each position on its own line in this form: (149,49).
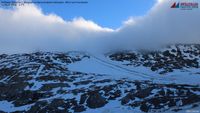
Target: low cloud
(162,25)
(27,29)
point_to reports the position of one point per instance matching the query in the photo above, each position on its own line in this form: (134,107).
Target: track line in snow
(122,68)
(135,73)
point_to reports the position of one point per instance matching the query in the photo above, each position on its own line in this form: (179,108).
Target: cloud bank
(27,29)
(163,25)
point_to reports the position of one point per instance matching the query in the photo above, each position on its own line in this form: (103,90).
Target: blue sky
(106,13)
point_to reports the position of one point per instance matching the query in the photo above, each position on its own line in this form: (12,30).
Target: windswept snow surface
(93,65)
(100,64)
(9,107)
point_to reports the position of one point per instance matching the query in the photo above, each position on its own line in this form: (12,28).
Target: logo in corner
(185,5)
(175,5)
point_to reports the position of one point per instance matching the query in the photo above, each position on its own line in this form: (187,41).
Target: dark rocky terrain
(166,60)
(42,82)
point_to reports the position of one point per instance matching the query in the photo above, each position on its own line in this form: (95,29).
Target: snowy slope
(125,81)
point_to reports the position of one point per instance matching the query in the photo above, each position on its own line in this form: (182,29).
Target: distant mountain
(134,81)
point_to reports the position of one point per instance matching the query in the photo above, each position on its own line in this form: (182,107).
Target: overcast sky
(30,28)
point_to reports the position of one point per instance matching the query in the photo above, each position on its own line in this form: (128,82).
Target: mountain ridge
(112,82)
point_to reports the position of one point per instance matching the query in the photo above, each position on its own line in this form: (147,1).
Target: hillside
(163,80)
